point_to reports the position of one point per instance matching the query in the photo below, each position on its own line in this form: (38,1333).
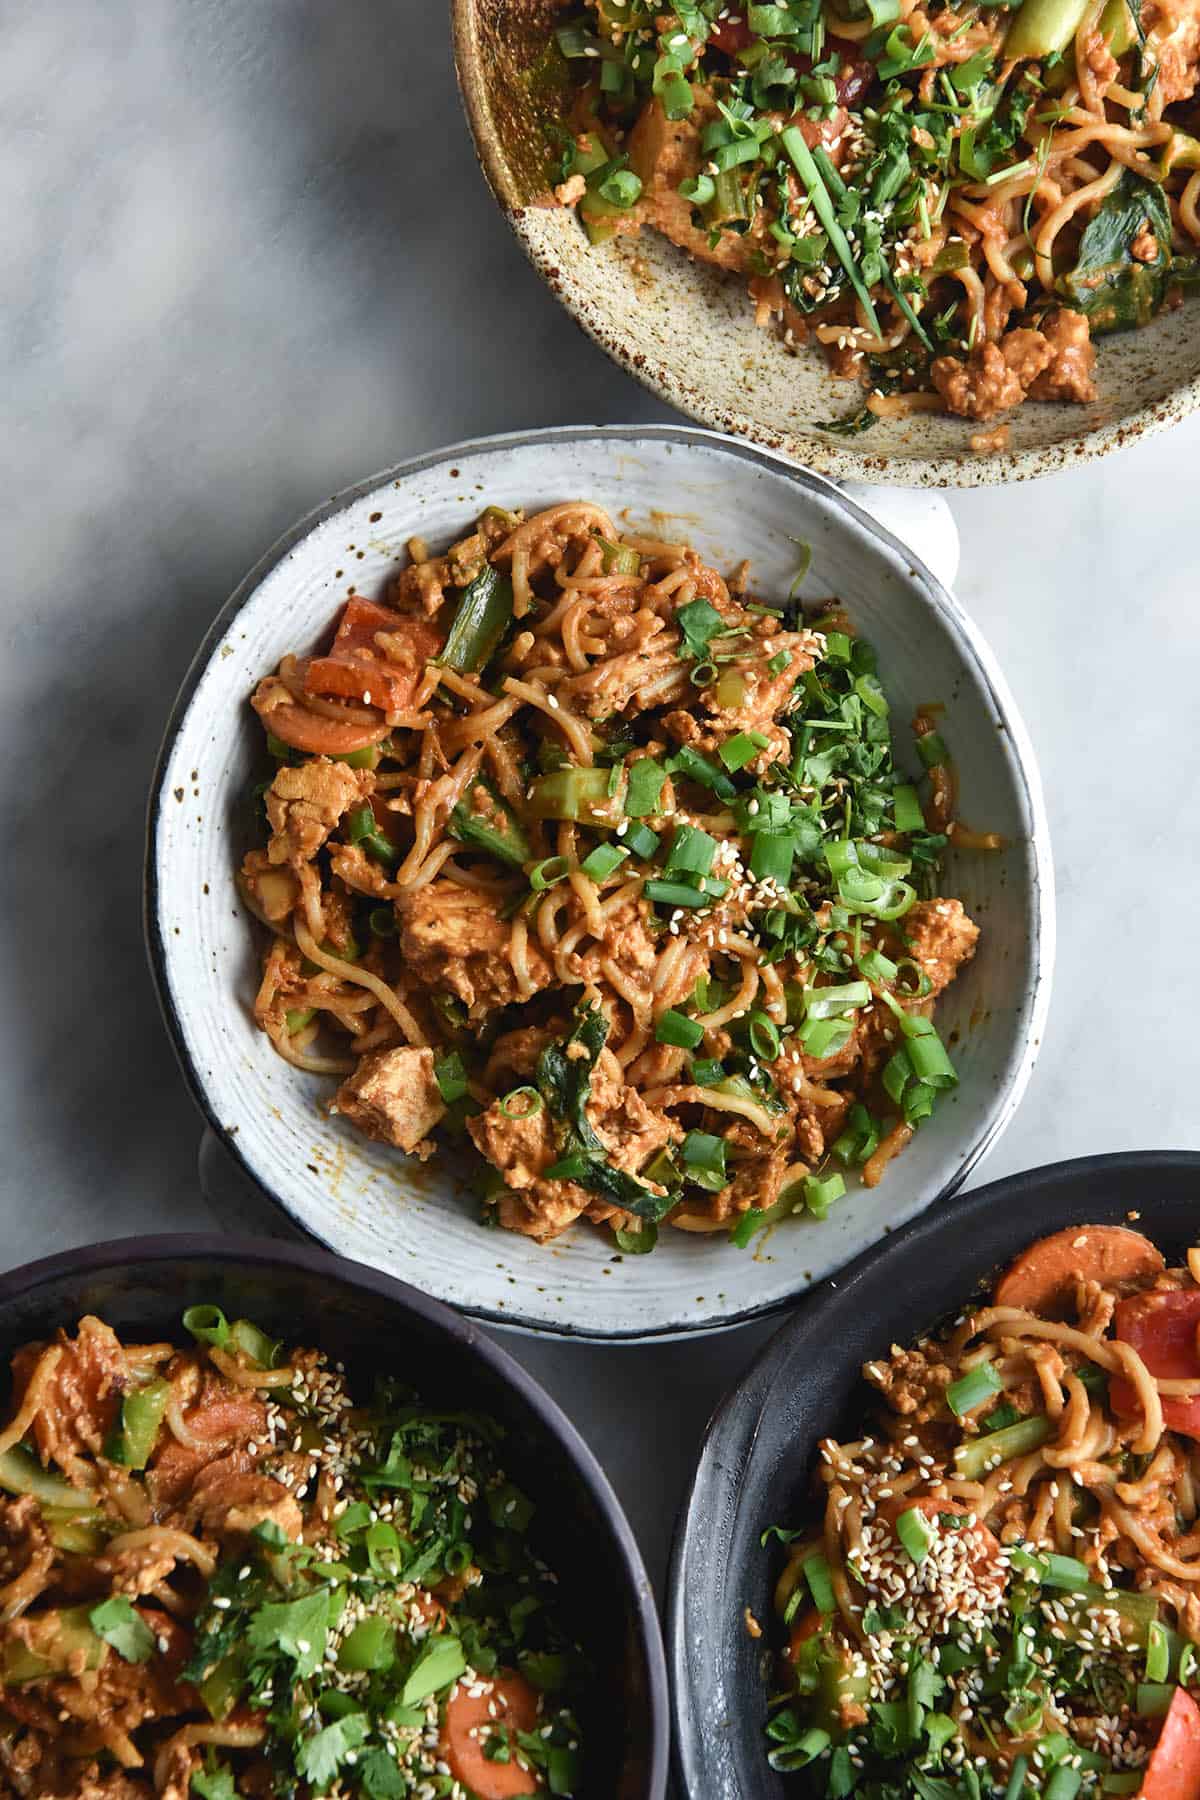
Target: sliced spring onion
(749,1222)
(915,1534)
(1063,1784)
(297,1017)
(702,770)
(800,154)
(859,1140)
(741,748)
(1154,1698)
(1158,1653)
(932,750)
(820,1583)
(906,809)
(691,851)
(699,189)
(978,1455)
(622,188)
(820,1192)
(382,921)
(637,1243)
(877,967)
(703,1157)
(675,893)
(207,1324)
(677,1029)
(550,870)
(644,789)
(707,1071)
(1016,1779)
(892,903)
(930,1062)
(835,1001)
(764,1036)
(771,856)
(484,614)
(451,1076)
(639,840)
(972,1389)
(521,1103)
(599,864)
(823,1038)
(494,828)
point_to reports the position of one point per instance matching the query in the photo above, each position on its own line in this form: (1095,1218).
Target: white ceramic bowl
(369,1202)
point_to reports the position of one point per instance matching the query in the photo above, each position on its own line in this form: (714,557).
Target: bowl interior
(756,1466)
(417,1220)
(142,1288)
(688,331)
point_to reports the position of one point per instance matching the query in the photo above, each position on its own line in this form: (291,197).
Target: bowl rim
(809,448)
(736,1420)
(975,651)
(268,1254)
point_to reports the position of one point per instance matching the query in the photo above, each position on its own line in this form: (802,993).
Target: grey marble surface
(248,258)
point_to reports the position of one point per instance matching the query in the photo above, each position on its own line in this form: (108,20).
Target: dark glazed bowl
(757,1458)
(373,1323)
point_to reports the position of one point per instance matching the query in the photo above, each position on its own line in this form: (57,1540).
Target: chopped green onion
(1016,1779)
(1063,1784)
(820,1192)
(906,809)
(915,1534)
(644,789)
(382,920)
(572,793)
(530,1103)
(823,1038)
(859,1140)
(979,1455)
(771,856)
(740,749)
(972,1389)
(484,614)
(451,1076)
(795,146)
(764,1036)
(932,750)
(691,851)
(297,1017)
(699,189)
(1154,1698)
(637,1243)
(601,862)
(835,1001)
(746,1227)
(675,893)
(207,1324)
(622,188)
(703,770)
(820,1584)
(877,967)
(703,1157)
(639,840)
(930,1062)
(677,1029)
(707,1071)
(550,870)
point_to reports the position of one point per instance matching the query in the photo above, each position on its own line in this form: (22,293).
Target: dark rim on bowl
(753,1467)
(22,1284)
(1008,1096)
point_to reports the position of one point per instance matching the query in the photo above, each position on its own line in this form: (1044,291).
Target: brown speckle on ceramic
(687,332)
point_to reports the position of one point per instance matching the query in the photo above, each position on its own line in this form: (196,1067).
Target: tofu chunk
(393,1095)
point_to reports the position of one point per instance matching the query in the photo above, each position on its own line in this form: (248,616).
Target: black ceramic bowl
(757,1459)
(373,1324)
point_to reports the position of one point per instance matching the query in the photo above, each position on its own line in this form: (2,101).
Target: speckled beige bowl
(688,332)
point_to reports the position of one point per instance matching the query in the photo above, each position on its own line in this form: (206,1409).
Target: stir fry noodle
(951,201)
(222,1575)
(577,852)
(999,1593)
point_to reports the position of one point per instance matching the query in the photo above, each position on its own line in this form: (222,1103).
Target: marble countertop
(249,258)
